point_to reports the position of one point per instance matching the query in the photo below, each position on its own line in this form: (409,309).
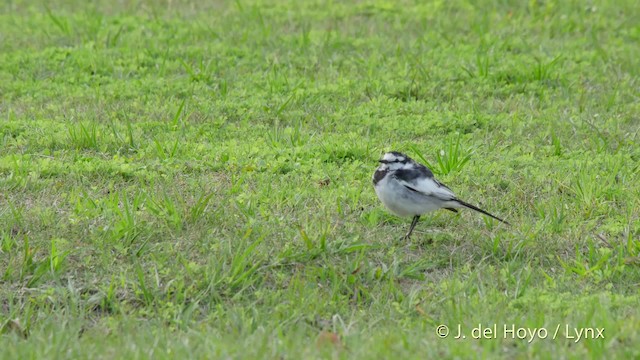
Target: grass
(193,179)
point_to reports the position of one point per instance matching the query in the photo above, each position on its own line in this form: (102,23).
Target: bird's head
(394,160)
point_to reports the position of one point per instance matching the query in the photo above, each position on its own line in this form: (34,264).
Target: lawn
(193,179)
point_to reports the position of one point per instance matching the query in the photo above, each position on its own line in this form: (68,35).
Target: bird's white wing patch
(429,187)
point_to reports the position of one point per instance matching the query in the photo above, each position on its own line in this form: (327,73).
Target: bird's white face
(393,157)
(394,161)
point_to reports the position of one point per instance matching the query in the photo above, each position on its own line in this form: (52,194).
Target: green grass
(193,179)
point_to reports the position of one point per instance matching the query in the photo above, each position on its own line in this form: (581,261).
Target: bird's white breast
(402,201)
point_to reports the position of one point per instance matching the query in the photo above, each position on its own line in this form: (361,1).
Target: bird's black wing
(421,180)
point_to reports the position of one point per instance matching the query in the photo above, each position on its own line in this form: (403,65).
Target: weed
(194,178)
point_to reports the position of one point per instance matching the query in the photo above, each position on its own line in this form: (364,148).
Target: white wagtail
(408,188)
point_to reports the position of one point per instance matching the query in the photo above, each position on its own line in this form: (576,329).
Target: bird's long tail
(472,207)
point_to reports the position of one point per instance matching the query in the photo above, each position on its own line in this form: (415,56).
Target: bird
(408,188)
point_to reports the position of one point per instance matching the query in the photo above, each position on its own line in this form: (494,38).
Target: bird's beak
(382,161)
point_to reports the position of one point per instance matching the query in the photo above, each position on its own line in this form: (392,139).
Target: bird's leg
(413,224)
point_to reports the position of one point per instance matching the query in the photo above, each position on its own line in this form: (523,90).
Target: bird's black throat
(378,175)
